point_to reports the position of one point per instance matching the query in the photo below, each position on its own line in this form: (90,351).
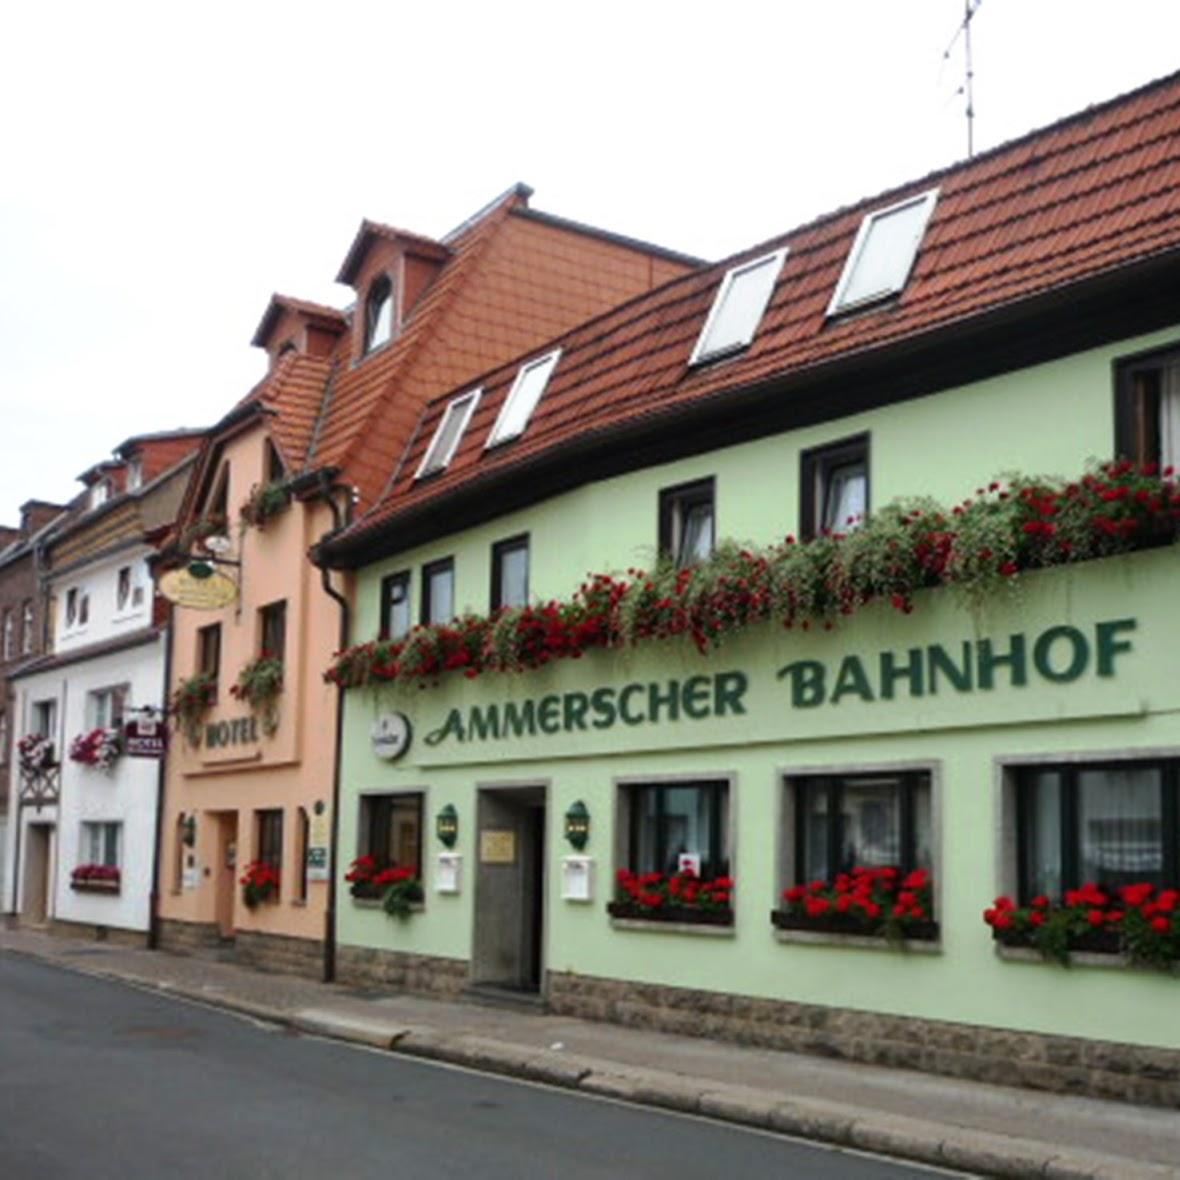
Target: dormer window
(450,430)
(135,474)
(522,399)
(379,313)
(284,348)
(739,307)
(275,471)
(100,493)
(883,254)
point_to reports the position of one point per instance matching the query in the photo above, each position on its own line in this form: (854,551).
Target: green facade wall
(1048,419)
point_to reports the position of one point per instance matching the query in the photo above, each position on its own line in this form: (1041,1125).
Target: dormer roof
(372,231)
(318,314)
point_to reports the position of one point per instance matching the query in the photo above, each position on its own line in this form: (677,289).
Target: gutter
(341,517)
(161,783)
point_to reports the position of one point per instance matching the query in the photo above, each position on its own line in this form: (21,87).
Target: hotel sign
(1057,655)
(207,593)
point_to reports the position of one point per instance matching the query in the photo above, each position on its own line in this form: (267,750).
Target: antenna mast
(970,8)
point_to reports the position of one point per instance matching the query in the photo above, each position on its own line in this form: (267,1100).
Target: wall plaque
(497,846)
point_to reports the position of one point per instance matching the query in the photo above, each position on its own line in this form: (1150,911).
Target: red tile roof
(1092,193)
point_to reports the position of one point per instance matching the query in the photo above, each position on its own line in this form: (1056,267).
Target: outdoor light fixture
(446,825)
(188,827)
(200,568)
(577,825)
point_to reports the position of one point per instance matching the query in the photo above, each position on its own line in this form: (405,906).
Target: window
(379,313)
(834,496)
(3,737)
(135,474)
(268,837)
(209,652)
(522,399)
(866,820)
(391,830)
(668,821)
(1113,824)
(123,589)
(396,612)
(510,572)
(45,719)
(1147,411)
(100,493)
(686,522)
(883,253)
(438,591)
(275,471)
(104,707)
(450,431)
(100,844)
(217,506)
(77,608)
(26,629)
(9,642)
(272,630)
(738,309)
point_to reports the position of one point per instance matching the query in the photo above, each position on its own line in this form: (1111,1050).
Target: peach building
(248,814)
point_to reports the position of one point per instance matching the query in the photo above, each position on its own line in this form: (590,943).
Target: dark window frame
(816,465)
(382,288)
(910,781)
(267,629)
(1069,812)
(721,834)
(302,842)
(376,814)
(405,579)
(1136,434)
(268,837)
(428,572)
(674,503)
(509,545)
(209,640)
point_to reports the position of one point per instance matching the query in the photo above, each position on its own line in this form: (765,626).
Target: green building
(675,719)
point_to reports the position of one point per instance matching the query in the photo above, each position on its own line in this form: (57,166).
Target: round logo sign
(210,592)
(391,736)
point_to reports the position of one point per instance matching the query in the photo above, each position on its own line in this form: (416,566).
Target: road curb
(895,1136)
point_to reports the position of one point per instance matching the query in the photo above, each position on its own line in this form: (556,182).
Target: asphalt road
(98,1080)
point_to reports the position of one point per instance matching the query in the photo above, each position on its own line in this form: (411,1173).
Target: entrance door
(35,895)
(510,889)
(226,871)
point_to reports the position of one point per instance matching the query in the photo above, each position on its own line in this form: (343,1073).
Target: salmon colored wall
(293,768)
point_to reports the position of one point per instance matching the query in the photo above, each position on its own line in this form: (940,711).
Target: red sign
(146,739)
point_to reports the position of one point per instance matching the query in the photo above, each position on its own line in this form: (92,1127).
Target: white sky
(163,171)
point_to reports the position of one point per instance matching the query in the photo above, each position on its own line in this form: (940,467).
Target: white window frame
(499,433)
(92,828)
(134,474)
(699,353)
(104,699)
(464,404)
(837,305)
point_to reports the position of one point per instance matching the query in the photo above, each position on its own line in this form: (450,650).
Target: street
(102,1080)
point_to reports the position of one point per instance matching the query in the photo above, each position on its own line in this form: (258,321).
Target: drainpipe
(340,518)
(161,782)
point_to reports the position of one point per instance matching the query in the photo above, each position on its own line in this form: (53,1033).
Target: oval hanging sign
(208,593)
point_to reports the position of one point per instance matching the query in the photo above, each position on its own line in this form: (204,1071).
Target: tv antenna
(967,89)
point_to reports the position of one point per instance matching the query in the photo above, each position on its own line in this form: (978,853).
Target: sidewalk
(990,1130)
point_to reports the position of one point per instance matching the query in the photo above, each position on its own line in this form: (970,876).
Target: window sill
(96,887)
(375,903)
(647,926)
(1028,954)
(863,942)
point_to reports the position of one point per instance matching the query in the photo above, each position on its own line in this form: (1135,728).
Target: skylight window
(883,254)
(450,431)
(523,397)
(738,309)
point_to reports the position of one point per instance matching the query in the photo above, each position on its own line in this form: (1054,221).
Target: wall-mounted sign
(391,735)
(231,733)
(497,846)
(145,738)
(208,593)
(318,836)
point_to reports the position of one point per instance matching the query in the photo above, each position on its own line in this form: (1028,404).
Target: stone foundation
(280,952)
(1064,1065)
(116,935)
(188,938)
(426,975)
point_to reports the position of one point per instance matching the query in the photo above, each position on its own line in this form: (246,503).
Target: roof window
(450,431)
(738,309)
(883,254)
(379,313)
(522,399)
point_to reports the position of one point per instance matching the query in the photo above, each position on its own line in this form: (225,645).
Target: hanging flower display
(265,502)
(260,882)
(36,753)
(259,685)
(99,748)
(96,878)
(978,548)
(877,902)
(673,897)
(399,889)
(190,704)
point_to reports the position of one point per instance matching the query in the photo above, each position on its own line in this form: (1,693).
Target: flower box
(682,914)
(1092,942)
(915,930)
(91,886)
